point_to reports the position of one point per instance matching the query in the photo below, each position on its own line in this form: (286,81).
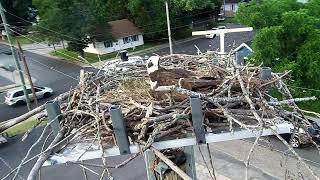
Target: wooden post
(23,59)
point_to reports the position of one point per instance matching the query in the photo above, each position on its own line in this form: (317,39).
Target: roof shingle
(123,28)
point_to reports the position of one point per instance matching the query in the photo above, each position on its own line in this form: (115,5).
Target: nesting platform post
(119,130)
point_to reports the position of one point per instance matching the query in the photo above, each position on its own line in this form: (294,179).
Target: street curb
(5,88)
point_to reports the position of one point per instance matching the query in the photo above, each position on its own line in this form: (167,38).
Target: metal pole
(4,20)
(222,45)
(23,58)
(197,119)
(119,130)
(169,29)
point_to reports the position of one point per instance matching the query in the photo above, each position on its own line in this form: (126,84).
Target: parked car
(211,36)
(304,136)
(16,96)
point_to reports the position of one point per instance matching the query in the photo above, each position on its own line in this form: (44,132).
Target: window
(135,38)
(29,91)
(37,89)
(107,44)
(126,40)
(17,94)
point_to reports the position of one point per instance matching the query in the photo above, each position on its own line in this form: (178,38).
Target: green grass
(22,127)
(92,58)
(26,39)
(230,20)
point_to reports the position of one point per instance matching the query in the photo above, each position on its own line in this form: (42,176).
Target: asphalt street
(54,73)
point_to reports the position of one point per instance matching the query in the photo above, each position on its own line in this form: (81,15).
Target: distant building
(243,51)
(125,34)
(230,7)
(303,1)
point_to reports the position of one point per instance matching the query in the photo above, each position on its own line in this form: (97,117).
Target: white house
(126,35)
(230,7)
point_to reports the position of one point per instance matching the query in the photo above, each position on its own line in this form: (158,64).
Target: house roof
(231,1)
(235,1)
(123,28)
(243,45)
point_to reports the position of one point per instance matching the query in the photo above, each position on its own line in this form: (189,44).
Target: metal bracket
(54,114)
(161,168)
(190,163)
(119,130)
(149,157)
(265,73)
(197,119)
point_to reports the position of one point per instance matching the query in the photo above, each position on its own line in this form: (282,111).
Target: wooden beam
(173,166)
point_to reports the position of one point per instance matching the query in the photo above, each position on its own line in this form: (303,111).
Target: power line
(85,43)
(51,68)
(46,46)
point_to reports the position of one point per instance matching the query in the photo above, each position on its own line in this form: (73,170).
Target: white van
(16,96)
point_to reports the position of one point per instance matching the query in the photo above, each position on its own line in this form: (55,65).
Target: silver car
(16,96)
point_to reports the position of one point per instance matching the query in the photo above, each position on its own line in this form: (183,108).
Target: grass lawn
(25,40)
(92,58)
(22,127)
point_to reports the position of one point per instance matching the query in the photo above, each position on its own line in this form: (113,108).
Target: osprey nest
(155,99)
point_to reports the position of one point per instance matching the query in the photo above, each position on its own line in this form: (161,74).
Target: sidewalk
(225,166)
(271,162)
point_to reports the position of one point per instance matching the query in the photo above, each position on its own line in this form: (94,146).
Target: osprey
(160,76)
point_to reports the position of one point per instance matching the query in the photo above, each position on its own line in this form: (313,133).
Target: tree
(75,21)
(265,13)
(20,8)
(150,15)
(287,38)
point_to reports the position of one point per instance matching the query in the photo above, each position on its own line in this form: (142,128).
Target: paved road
(43,70)
(204,44)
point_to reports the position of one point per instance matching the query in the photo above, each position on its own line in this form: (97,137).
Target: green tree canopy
(20,8)
(151,17)
(75,21)
(287,37)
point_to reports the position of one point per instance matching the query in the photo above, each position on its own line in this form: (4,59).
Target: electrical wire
(50,47)
(85,43)
(51,68)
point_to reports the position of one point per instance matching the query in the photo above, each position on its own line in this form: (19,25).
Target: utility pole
(169,29)
(4,21)
(23,59)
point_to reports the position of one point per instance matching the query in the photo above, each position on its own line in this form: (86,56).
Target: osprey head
(153,64)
